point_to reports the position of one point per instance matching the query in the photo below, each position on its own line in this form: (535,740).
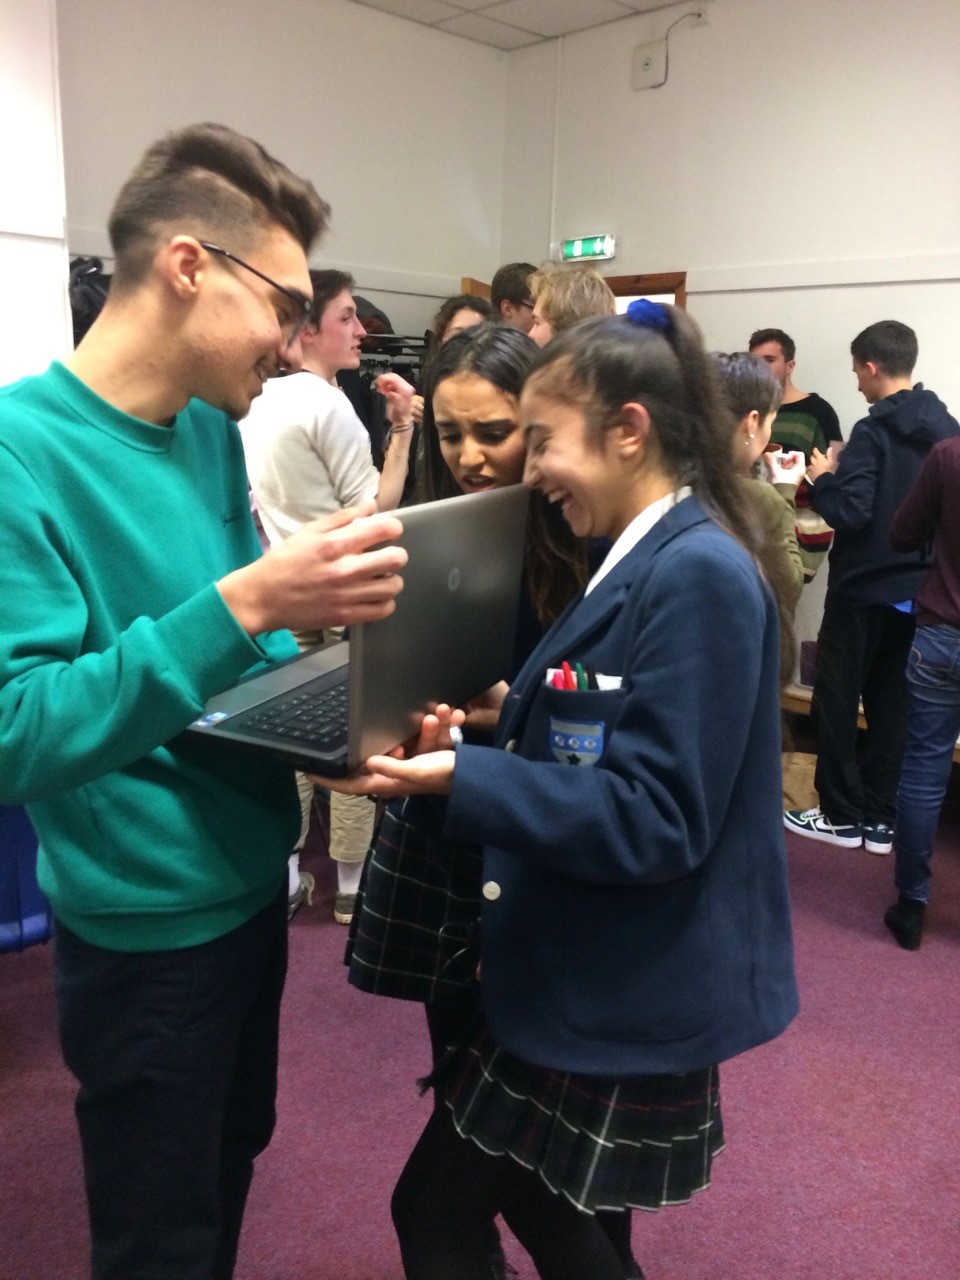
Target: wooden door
(673,283)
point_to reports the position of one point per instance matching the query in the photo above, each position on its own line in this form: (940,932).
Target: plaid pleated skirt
(415,928)
(638,1143)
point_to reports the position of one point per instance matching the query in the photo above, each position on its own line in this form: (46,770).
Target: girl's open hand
(386,776)
(422,766)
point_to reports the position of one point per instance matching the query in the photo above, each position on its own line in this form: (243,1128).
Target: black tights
(450,1191)
(449,1026)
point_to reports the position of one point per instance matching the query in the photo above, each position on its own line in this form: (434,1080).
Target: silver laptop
(450,637)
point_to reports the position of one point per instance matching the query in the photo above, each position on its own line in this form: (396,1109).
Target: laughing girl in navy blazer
(636,927)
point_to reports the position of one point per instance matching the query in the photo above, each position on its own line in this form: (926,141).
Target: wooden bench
(797,697)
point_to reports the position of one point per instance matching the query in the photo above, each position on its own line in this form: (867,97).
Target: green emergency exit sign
(588,248)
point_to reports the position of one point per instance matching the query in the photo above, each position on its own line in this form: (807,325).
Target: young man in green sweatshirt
(133,592)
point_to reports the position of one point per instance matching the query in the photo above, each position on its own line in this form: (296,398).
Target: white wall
(399,127)
(530,148)
(35,316)
(824,320)
(800,164)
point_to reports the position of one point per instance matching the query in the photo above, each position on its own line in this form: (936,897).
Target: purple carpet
(843,1135)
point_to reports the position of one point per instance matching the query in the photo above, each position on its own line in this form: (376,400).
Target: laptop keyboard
(316,716)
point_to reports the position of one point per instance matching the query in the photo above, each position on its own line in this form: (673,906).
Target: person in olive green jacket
(752,392)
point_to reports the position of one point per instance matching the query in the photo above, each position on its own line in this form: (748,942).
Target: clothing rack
(378,363)
(394,344)
(383,353)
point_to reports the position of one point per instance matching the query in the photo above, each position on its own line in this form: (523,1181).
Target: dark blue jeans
(933,722)
(176,1056)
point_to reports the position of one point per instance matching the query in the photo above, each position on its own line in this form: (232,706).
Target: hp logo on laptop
(453,579)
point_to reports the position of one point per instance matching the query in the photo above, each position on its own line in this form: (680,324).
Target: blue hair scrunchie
(648,315)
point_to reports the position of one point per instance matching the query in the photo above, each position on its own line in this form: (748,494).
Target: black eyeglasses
(293,325)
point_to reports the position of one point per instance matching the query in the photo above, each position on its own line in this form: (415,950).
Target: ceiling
(511,24)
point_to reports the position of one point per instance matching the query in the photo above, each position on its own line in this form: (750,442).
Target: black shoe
(878,837)
(905,921)
(634,1272)
(500,1268)
(302,894)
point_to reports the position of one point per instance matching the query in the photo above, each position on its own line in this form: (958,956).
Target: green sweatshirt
(112,637)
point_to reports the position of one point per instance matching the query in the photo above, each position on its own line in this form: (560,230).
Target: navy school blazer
(636,917)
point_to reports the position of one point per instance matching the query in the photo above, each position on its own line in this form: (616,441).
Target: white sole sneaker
(812,825)
(880,847)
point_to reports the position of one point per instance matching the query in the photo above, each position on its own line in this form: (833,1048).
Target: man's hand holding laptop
(325,575)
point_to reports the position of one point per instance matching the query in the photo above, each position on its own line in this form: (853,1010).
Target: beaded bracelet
(397,431)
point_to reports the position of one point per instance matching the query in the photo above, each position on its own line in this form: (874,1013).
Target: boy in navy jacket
(868,622)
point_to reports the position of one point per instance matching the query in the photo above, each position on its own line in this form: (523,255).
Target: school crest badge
(576,741)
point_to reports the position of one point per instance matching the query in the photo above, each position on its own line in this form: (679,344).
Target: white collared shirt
(638,527)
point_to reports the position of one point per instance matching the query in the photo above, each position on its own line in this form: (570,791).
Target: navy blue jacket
(876,470)
(636,917)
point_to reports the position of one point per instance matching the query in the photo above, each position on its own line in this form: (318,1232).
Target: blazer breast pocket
(571,726)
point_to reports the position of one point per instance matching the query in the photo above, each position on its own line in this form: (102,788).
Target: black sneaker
(905,921)
(878,837)
(815,825)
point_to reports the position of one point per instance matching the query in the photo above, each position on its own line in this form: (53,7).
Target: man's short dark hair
(327,285)
(452,307)
(209,181)
(762,336)
(747,383)
(511,284)
(888,344)
(373,319)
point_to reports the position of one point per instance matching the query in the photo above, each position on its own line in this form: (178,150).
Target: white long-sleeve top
(307,453)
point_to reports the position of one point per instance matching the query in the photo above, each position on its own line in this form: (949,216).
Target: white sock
(293,874)
(348,876)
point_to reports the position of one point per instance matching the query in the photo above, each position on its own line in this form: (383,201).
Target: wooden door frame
(674,282)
